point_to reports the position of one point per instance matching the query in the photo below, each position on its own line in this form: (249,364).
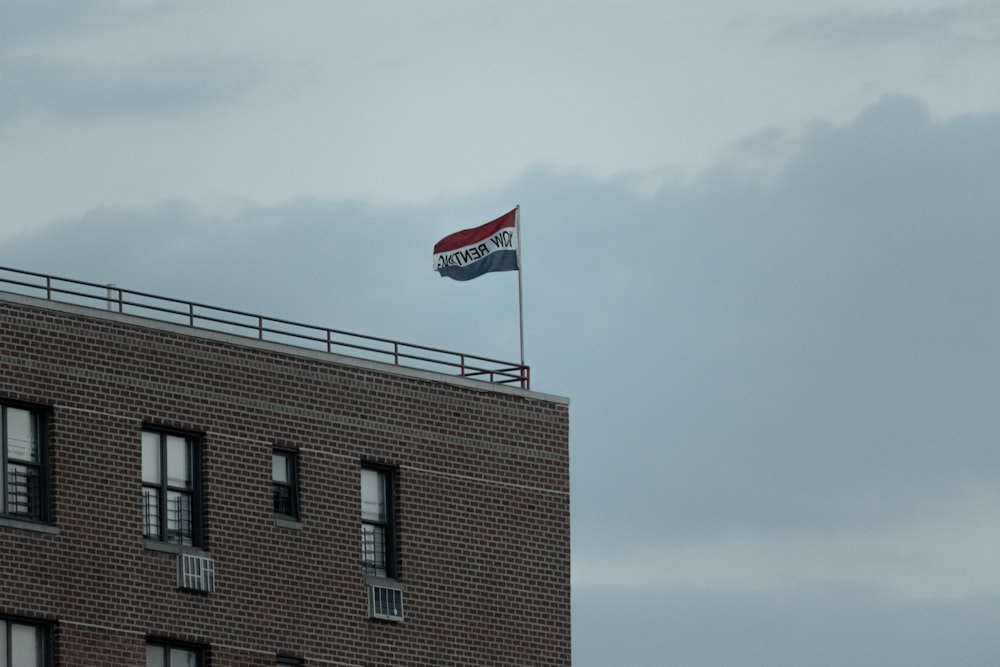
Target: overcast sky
(760,248)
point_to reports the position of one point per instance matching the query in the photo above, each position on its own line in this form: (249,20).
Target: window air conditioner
(385,602)
(196,573)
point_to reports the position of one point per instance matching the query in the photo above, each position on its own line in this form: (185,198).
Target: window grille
(373,556)
(378,539)
(22,462)
(180,528)
(284,504)
(170,488)
(150,514)
(23,492)
(285,483)
(179,524)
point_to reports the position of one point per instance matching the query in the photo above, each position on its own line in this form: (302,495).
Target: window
(173,655)
(285,482)
(22,484)
(170,488)
(377,534)
(23,644)
(287,661)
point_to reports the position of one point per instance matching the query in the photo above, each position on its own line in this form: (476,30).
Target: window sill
(384,582)
(287,523)
(153,545)
(29,525)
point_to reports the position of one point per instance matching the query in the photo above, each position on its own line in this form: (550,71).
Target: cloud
(26,22)
(955,28)
(783,384)
(112,58)
(789,347)
(35,86)
(950,555)
(821,626)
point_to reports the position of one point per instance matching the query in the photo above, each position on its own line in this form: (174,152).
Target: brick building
(174,495)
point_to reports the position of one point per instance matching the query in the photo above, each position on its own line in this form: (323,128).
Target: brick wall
(482,514)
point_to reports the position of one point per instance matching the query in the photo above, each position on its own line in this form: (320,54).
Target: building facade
(176,496)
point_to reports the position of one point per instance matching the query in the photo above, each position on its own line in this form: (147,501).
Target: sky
(759,247)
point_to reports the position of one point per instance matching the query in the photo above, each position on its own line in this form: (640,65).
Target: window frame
(390,531)
(39,416)
(43,656)
(291,459)
(200,651)
(164,488)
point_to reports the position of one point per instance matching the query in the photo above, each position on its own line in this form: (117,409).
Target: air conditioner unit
(385,602)
(196,573)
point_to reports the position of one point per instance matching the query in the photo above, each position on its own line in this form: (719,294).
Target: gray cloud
(956,28)
(814,350)
(821,626)
(830,332)
(966,25)
(37,86)
(44,66)
(762,354)
(25,22)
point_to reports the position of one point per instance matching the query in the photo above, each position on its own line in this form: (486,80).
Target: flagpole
(520,291)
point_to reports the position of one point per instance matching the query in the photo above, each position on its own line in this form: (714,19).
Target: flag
(472,252)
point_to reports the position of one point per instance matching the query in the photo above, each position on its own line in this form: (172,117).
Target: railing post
(48,288)
(260,328)
(461,366)
(329,341)
(191,314)
(395,352)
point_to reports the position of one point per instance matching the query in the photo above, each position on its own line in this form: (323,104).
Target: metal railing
(225,320)
(374,560)
(179,518)
(24,499)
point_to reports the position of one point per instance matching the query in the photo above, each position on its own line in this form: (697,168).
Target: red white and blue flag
(472,252)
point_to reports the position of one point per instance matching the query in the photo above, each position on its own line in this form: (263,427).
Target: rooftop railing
(260,327)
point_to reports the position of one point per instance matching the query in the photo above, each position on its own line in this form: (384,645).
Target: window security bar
(150,514)
(373,555)
(180,525)
(179,521)
(283,501)
(24,493)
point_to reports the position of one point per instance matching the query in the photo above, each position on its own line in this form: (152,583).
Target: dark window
(288,661)
(23,644)
(22,441)
(171,494)
(377,527)
(285,483)
(167,654)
